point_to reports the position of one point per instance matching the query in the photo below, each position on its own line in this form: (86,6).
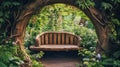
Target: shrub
(90,59)
(89,38)
(37,64)
(38,55)
(35,57)
(8,56)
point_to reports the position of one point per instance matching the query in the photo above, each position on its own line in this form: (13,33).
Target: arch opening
(102,31)
(62,17)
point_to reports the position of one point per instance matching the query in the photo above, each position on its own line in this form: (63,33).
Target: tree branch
(94,14)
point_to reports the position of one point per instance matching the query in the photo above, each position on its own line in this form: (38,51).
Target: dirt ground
(61,59)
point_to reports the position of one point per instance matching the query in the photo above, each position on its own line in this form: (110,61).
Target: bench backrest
(57,38)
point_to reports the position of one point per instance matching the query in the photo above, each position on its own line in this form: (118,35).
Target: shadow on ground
(61,59)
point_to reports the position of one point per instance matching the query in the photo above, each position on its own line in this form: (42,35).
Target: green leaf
(2,64)
(1,13)
(16,3)
(108,62)
(115,1)
(7,4)
(64,13)
(90,3)
(116,21)
(1,20)
(117,63)
(106,5)
(6,16)
(116,54)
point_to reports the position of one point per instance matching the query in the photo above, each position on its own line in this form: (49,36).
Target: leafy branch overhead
(85,3)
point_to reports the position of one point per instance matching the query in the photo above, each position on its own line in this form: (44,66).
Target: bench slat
(55,38)
(50,39)
(46,38)
(63,38)
(67,39)
(71,39)
(59,39)
(42,39)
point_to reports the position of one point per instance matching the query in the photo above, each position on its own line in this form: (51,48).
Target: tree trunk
(19,39)
(102,29)
(19,32)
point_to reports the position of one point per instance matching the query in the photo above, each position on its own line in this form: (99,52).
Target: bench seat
(55,47)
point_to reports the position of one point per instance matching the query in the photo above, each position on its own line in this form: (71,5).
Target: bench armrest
(79,40)
(37,41)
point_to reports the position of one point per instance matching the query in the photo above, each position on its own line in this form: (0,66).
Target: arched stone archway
(96,17)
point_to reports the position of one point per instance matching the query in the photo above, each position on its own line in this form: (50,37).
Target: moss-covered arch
(96,17)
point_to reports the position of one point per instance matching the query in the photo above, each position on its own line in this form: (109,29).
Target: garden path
(61,59)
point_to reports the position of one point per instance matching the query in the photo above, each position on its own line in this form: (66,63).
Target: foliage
(37,64)
(89,37)
(8,51)
(85,3)
(34,57)
(38,55)
(91,59)
(6,7)
(8,55)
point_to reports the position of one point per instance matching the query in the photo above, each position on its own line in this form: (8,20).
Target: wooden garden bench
(56,41)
